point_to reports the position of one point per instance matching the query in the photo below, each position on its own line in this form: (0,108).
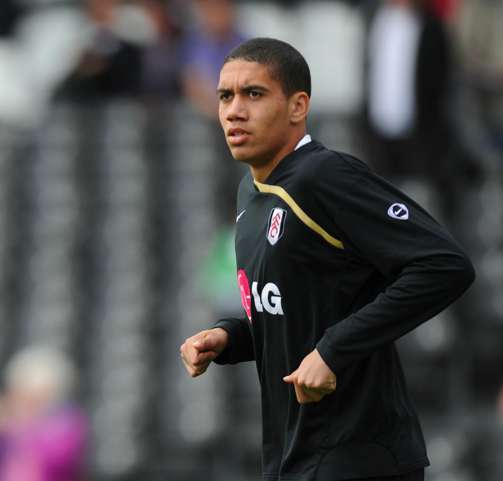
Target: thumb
(291,378)
(205,357)
(205,343)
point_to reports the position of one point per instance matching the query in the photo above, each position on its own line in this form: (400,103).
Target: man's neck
(261,173)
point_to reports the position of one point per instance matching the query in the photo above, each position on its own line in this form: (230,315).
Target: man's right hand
(199,351)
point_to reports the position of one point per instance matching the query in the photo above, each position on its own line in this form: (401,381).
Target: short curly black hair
(286,64)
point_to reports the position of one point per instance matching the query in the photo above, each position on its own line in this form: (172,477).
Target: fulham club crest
(276,225)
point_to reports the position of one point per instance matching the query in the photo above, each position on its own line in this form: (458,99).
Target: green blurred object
(217,280)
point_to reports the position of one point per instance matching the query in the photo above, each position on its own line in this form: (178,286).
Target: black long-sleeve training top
(331,256)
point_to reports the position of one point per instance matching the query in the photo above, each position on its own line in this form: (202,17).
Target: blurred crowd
(408,85)
(117,208)
(102,49)
(99,49)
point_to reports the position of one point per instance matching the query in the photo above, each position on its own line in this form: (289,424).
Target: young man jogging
(334,264)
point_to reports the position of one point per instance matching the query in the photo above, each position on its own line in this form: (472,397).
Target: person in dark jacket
(408,89)
(334,264)
(10,14)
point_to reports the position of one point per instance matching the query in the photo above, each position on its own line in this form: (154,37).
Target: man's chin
(247,156)
(242,155)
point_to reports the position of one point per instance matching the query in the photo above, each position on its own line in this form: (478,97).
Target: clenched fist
(200,350)
(312,380)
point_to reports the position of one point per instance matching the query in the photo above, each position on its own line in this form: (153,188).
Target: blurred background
(117,209)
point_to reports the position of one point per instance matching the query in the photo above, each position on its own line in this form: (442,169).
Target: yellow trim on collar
(297,210)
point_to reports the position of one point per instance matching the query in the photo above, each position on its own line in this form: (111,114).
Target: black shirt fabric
(333,257)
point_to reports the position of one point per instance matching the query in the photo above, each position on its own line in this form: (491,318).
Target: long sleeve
(424,268)
(240,345)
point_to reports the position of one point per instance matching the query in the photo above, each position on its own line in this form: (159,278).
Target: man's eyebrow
(248,88)
(245,89)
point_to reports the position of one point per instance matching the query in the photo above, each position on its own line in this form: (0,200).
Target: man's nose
(237,109)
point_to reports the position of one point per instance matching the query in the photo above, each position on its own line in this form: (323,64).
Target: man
(334,264)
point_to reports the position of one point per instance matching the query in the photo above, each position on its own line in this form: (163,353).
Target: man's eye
(224,96)
(254,94)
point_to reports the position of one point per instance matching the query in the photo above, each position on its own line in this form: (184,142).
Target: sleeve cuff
(326,351)
(335,359)
(229,326)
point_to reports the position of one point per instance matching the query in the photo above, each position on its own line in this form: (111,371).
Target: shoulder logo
(398,211)
(276,225)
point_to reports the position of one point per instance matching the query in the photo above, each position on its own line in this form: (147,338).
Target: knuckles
(307,384)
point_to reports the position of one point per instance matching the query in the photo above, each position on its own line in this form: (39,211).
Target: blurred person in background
(202,53)
(111,65)
(445,9)
(160,76)
(409,57)
(203,50)
(43,433)
(10,13)
(409,92)
(35,32)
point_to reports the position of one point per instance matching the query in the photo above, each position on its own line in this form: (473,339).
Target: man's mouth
(237,136)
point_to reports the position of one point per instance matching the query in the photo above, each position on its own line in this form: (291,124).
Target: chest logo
(267,299)
(276,225)
(398,211)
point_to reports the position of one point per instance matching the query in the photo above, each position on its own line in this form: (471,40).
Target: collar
(305,140)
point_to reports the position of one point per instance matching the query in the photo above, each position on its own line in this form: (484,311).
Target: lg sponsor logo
(268,299)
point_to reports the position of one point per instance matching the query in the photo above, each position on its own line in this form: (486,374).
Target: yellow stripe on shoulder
(297,210)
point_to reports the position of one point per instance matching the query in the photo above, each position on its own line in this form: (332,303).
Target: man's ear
(299,107)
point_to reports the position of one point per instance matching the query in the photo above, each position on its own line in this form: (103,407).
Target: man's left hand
(312,380)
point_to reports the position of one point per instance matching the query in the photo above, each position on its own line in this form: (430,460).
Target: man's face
(254,113)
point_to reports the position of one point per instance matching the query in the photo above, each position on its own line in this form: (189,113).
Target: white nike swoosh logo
(240,215)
